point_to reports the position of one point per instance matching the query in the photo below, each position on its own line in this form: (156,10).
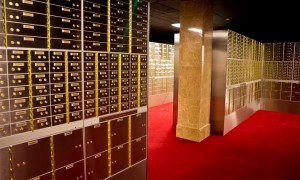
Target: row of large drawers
(68,149)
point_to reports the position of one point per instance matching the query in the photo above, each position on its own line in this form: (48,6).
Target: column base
(193,134)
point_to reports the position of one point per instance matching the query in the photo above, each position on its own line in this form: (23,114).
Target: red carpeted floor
(265,146)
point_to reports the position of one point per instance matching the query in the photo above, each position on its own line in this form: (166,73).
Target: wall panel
(70,73)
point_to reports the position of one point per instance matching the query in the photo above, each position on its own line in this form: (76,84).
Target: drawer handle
(96,44)
(96,15)
(19,76)
(39,53)
(75,113)
(97,156)
(40,76)
(41,98)
(96,25)
(58,53)
(28,14)
(40,87)
(41,109)
(66,9)
(66,31)
(66,20)
(28,39)
(66,42)
(96,6)
(18,64)
(19,89)
(22,124)
(59,116)
(74,94)
(42,120)
(27,2)
(20,101)
(28,27)
(58,85)
(39,64)
(58,96)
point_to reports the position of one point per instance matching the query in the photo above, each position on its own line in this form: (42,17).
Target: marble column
(195,59)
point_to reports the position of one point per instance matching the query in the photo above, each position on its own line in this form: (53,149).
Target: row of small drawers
(57,111)
(22,55)
(93,32)
(73,10)
(43,67)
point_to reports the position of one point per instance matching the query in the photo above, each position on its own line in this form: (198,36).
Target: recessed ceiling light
(176,25)
(227,19)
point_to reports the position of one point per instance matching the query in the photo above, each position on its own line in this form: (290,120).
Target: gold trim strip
(129,141)
(30,90)
(48,25)
(5,23)
(139,82)
(11,160)
(120,82)
(52,157)
(109,147)
(167,52)
(229,98)
(130,27)
(232,47)
(67,87)
(97,84)
(152,87)
(233,96)
(108,25)
(241,96)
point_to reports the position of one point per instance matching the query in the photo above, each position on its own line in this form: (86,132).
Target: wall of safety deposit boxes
(244,71)
(236,79)
(258,76)
(161,73)
(73,89)
(281,88)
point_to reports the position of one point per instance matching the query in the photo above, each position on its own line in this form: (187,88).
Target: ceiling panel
(270,21)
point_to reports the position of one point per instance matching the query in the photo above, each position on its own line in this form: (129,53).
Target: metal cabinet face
(138,125)
(71,171)
(4,164)
(295,96)
(275,94)
(119,158)
(68,148)
(295,87)
(138,150)
(97,166)
(119,131)
(96,139)
(286,86)
(32,154)
(285,95)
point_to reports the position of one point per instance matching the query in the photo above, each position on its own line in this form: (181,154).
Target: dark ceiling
(263,20)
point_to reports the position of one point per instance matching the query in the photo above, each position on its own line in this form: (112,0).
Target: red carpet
(265,146)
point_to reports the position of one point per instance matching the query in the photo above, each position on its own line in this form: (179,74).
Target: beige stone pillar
(195,56)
